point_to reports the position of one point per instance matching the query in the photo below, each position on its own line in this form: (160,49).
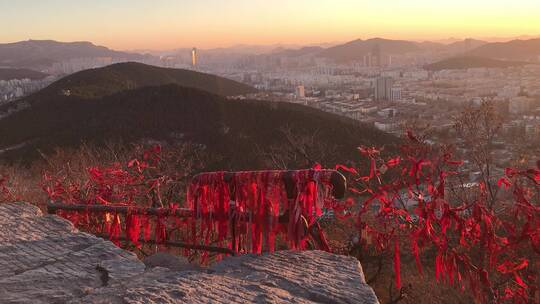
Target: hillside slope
(100,82)
(465,62)
(236,131)
(95,83)
(525,50)
(355,50)
(465,45)
(308,50)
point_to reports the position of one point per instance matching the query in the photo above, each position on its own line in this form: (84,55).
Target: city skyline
(167,24)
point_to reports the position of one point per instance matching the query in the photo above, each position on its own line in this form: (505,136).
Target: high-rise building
(395,93)
(368,60)
(194,57)
(383,88)
(377,54)
(300,91)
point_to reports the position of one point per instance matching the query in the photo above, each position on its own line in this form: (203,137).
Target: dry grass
(25,184)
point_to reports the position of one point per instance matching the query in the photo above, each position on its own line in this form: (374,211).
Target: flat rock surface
(44,259)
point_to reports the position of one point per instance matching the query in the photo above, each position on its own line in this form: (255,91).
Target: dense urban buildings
(403,92)
(390,91)
(383,88)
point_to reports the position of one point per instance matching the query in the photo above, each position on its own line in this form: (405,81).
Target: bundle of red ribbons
(243,211)
(251,208)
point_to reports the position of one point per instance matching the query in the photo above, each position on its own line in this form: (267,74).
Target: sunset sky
(167,24)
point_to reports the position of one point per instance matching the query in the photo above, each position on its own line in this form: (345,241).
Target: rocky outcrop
(44,259)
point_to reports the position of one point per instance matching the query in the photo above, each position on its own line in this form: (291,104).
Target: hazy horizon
(167,24)
(448,40)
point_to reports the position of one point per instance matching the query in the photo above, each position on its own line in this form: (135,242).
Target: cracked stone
(44,259)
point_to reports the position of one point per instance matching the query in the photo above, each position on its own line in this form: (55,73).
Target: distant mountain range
(308,50)
(39,54)
(352,51)
(465,62)
(525,50)
(237,132)
(506,39)
(480,54)
(355,50)
(464,45)
(43,53)
(8,74)
(488,39)
(515,50)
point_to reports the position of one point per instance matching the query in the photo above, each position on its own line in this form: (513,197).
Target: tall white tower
(194,57)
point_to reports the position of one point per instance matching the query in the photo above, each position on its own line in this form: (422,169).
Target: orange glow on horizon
(169,24)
